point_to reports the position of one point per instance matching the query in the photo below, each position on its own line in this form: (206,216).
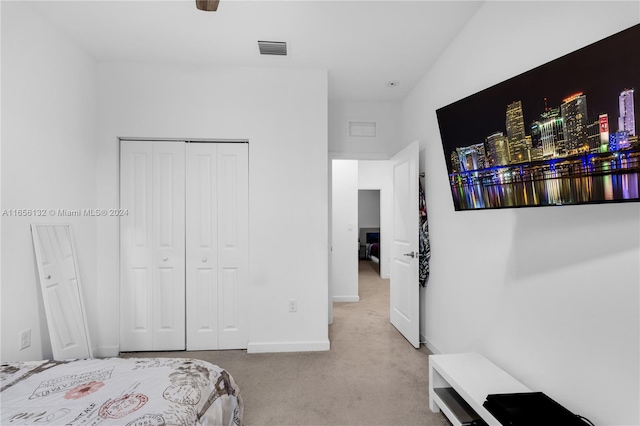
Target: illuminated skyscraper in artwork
(455,162)
(497,149)
(515,133)
(472,157)
(574,117)
(594,136)
(604,132)
(618,141)
(548,133)
(626,120)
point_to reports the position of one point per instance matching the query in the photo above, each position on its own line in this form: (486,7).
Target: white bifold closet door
(152,246)
(217,245)
(184,245)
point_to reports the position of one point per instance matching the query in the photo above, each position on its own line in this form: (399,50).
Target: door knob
(48,277)
(164,259)
(411,255)
(204,260)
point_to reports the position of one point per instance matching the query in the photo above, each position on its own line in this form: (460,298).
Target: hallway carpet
(371,375)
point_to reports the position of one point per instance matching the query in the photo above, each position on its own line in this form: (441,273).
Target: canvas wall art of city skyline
(563,133)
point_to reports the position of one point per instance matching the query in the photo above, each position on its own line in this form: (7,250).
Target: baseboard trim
(429,345)
(268,347)
(106,351)
(341,299)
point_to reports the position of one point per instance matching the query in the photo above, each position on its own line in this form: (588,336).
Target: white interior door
(404,288)
(168,246)
(217,245)
(233,245)
(152,246)
(136,230)
(61,292)
(202,247)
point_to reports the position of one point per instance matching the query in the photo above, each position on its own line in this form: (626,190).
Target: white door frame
(346,156)
(366,157)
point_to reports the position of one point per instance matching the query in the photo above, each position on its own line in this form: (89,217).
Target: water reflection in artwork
(552,191)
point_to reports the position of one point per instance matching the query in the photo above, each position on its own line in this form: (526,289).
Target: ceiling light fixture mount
(207,5)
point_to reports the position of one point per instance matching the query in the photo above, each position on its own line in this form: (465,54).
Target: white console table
(470,376)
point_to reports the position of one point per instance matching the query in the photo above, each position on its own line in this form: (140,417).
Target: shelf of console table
(471,377)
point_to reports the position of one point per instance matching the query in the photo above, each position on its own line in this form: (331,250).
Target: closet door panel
(136,177)
(229,308)
(184,246)
(202,235)
(233,242)
(168,246)
(140,295)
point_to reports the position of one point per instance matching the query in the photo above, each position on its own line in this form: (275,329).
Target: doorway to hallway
(369,237)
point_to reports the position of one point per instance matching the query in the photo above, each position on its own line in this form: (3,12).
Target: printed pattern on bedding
(117,391)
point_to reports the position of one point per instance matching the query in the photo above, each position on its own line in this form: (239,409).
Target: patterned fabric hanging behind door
(424,247)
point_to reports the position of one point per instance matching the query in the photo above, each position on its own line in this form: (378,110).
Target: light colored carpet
(371,375)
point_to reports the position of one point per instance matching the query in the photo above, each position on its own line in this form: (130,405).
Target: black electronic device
(529,409)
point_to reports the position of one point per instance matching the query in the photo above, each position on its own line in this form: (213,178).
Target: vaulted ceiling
(363,44)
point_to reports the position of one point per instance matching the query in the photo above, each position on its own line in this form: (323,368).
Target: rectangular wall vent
(272,47)
(362,129)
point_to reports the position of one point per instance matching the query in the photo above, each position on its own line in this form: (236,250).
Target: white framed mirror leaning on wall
(61,291)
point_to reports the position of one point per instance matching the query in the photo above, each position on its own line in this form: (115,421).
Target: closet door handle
(164,259)
(411,255)
(204,260)
(48,277)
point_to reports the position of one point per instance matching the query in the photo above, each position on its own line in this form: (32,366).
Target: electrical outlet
(293,305)
(25,339)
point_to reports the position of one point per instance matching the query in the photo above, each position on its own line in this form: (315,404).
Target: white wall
(283,114)
(48,162)
(549,294)
(368,208)
(344,231)
(377,174)
(387,115)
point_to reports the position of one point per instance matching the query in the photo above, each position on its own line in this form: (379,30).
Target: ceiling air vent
(272,47)
(362,129)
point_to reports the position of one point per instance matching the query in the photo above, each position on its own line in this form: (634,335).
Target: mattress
(118,391)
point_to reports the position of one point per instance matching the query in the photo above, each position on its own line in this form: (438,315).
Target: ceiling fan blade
(207,5)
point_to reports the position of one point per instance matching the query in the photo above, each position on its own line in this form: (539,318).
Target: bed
(373,245)
(118,391)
